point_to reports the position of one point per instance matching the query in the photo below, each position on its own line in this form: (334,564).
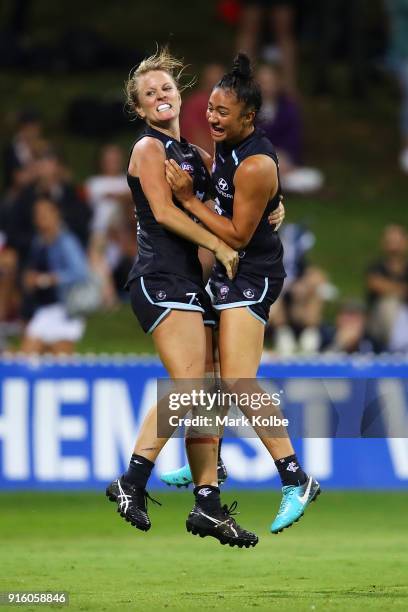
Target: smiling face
(159,100)
(227,117)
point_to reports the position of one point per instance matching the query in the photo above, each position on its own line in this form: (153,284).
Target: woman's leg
(241,341)
(180,343)
(202,448)
(240,344)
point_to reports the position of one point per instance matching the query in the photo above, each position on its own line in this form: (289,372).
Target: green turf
(109,332)
(349,552)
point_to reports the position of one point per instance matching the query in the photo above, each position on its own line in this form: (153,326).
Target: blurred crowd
(66,248)
(377,324)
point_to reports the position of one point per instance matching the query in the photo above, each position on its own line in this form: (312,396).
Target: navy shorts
(256,293)
(154,296)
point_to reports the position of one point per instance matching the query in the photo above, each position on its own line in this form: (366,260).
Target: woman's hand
(277,216)
(228,257)
(180,182)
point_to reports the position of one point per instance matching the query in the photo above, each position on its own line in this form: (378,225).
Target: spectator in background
(280,118)
(126,244)
(51,181)
(27,144)
(279,15)
(20,157)
(193,121)
(387,291)
(301,328)
(112,211)
(297,241)
(398,16)
(9,298)
(56,262)
(350,332)
(296,320)
(108,191)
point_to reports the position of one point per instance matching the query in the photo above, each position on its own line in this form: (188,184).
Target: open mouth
(163,107)
(216,129)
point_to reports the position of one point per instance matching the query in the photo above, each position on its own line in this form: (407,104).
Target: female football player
(245,176)
(167,291)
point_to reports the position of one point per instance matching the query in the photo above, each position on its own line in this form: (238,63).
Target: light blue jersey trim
(265,290)
(246,303)
(235,158)
(256,316)
(177,305)
(168,143)
(233,305)
(157,321)
(145,292)
(210,293)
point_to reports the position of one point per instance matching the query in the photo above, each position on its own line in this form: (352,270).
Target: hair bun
(241,66)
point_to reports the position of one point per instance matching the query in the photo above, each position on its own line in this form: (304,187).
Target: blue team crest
(187,167)
(249,294)
(161,295)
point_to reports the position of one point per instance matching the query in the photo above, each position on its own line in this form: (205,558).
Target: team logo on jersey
(161,295)
(222,188)
(187,167)
(223,291)
(222,184)
(248,293)
(217,207)
(241,254)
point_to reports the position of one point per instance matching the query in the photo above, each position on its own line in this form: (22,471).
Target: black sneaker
(132,503)
(220,525)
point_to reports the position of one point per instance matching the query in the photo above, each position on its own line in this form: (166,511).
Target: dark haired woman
(167,291)
(245,177)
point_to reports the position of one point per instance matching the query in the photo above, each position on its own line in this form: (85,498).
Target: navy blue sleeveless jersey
(160,250)
(263,254)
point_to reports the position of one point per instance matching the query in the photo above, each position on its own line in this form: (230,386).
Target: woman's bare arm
(147,162)
(255,181)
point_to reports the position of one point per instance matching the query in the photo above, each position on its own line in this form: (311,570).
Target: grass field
(349,552)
